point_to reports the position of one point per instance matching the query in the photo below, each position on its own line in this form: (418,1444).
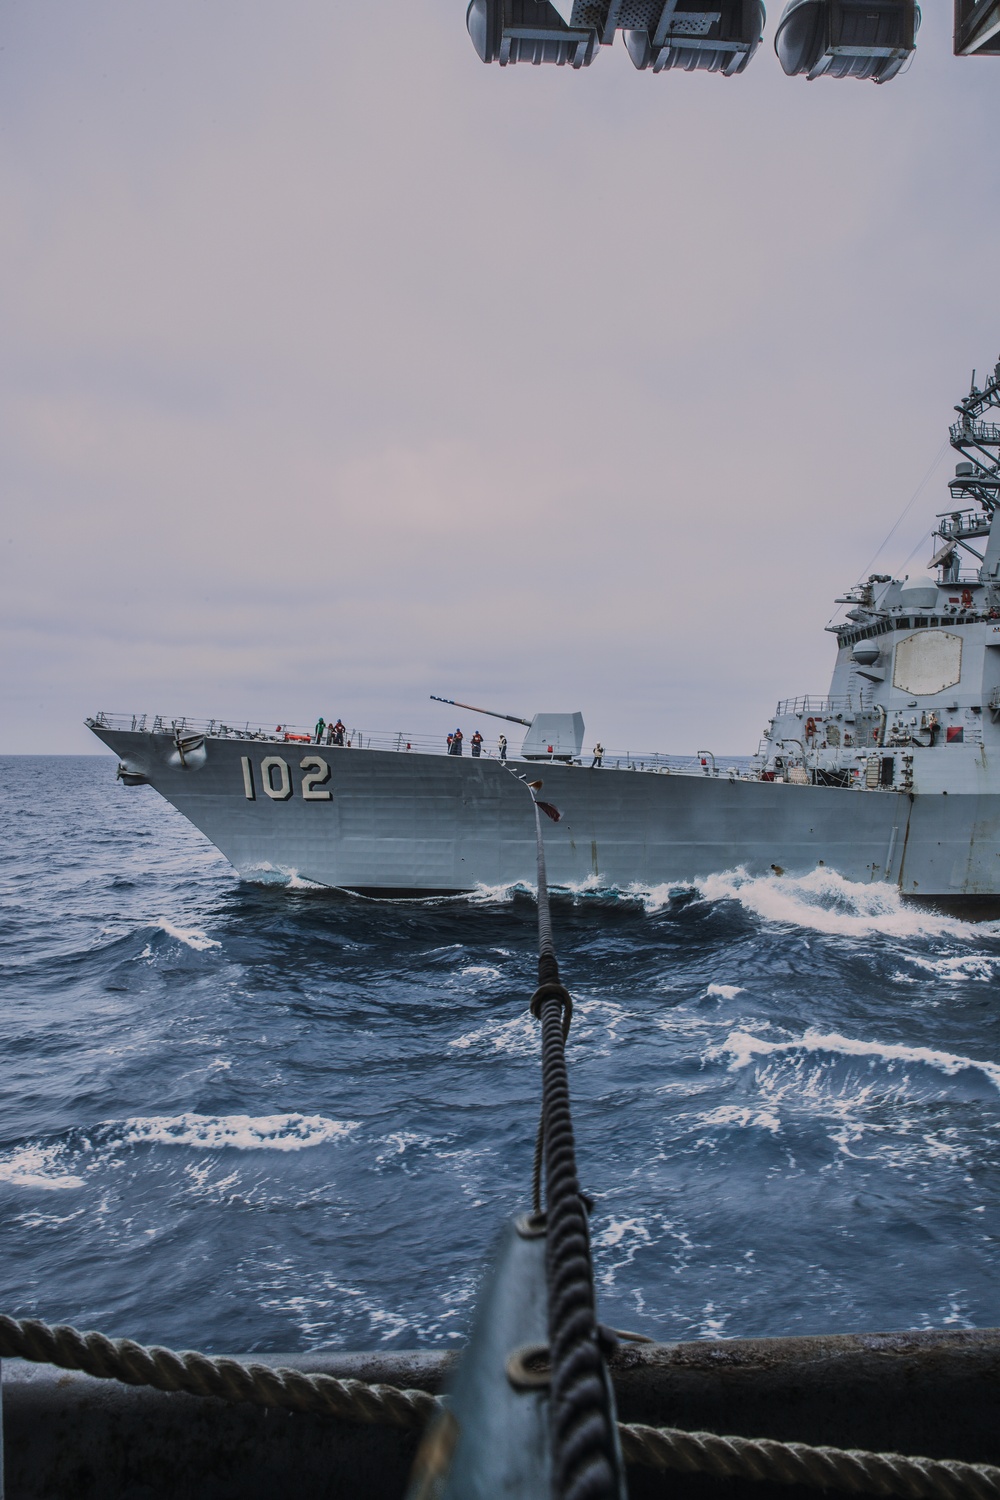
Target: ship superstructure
(893,776)
(918,660)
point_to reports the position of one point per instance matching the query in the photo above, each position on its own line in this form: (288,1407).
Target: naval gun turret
(549,736)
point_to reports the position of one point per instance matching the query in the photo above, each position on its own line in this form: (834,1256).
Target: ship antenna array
(977,479)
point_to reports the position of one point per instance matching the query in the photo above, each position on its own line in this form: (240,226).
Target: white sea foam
(735,1114)
(262,872)
(321,1313)
(590,887)
(654,898)
(595,1022)
(615,1231)
(399,1142)
(743,1047)
(823,900)
(517,1037)
(192,937)
(36,1167)
(826,902)
(982,966)
(712,1324)
(723,991)
(480,971)
(492,895)
(622,1239)
(244,1132)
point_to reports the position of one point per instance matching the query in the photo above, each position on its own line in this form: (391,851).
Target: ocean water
(256,1117)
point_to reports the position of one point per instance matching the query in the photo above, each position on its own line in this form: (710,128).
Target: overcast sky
(338,369)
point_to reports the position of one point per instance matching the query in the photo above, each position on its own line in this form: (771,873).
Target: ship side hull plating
(393,823)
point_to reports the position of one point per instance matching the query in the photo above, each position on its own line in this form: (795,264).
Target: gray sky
(338,369)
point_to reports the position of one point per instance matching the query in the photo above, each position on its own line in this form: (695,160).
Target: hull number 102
(276,778)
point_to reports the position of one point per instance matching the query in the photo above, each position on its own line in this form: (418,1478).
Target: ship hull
(398,823)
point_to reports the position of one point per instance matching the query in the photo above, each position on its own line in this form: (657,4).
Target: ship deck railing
(970,431)
(703,763)
(809,703)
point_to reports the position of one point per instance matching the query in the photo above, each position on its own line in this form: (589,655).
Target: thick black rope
(586,1464)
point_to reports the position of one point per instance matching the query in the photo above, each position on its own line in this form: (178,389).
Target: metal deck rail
(701,764)
(808,704)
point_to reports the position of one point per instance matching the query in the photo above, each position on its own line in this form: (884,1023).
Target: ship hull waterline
(396,823)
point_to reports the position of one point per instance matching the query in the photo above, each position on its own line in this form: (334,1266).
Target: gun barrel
(489,712)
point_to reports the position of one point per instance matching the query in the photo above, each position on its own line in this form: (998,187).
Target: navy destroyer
(893,776)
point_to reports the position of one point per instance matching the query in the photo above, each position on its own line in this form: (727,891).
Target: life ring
(810,729)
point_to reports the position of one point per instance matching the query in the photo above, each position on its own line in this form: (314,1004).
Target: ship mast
(979,444)
(975,487)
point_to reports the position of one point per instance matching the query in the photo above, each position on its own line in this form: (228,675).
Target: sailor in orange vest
(477,743)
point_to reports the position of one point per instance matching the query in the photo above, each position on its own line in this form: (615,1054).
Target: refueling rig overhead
(871,39)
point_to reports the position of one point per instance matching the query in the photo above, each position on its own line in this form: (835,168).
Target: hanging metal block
(847,38)
(977,28)
(716,36)
(512,31)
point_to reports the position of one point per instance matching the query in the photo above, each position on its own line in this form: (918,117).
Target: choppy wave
(516,1037)
(741,1116)
(36,1166)
(826,902)
(191,937)
(318,1110)
(983,967)
(743,1047)
(823,901)
(58,1164)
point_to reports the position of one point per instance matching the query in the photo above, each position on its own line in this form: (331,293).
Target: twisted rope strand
(843,1469)
(585,1460)
(230,1380)
(207,1375)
